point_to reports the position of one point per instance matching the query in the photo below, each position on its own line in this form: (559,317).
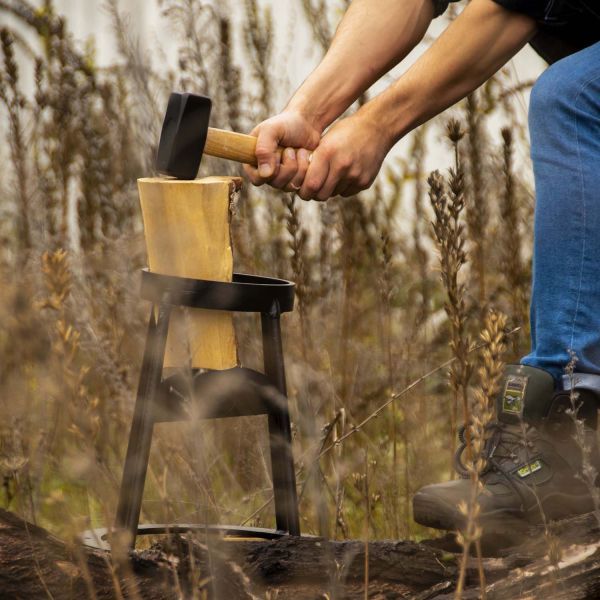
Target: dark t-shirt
(564,26)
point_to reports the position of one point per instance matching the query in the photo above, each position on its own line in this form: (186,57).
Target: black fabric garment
(564,26)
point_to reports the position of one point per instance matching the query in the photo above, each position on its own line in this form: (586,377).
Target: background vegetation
(378,307)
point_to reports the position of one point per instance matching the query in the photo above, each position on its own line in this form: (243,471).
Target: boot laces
(502,449)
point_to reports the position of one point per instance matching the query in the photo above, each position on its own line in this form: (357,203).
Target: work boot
(533,461)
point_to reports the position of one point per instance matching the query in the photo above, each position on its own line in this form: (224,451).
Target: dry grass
(373,313)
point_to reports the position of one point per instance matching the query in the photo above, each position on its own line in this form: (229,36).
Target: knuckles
(310,190)
(344,162)
(262,150)
(366,182)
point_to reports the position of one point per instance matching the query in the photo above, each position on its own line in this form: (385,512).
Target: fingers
(287,171)
(313,176)
(291,174)
(268,135)
(328,175)
(318,169)
(335,179)
(302,160)
(340,188)
(350,190)
(267,156)
(252,174)
(287,129)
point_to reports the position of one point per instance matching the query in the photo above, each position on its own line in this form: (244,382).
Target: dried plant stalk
(419,251)
(449,235)
(258,34)
(512,245)
(316,14)
(297,245)
(477,210)
(490,374)
(13,99)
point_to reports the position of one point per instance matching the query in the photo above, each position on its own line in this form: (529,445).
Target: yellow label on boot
(529,469)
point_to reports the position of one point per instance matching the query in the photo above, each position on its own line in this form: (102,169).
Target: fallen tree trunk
(35,564)
(562,563)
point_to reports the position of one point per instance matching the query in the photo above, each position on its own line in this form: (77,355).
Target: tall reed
(482,413)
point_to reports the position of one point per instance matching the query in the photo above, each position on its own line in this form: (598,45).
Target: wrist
(321,100)
(390,115)
(309,111)
(378,123)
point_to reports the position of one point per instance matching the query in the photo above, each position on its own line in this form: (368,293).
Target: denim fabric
(564,123)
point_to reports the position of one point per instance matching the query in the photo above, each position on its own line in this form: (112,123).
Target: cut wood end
(235,182)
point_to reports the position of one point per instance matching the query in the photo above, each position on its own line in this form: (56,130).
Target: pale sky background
(89,18)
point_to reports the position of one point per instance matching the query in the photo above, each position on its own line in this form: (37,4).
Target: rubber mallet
(186,136)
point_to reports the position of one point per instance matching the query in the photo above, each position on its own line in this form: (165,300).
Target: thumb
(267,157)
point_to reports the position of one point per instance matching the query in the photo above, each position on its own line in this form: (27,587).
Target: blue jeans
(564,123)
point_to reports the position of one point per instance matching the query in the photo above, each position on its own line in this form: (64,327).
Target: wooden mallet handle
(232,146)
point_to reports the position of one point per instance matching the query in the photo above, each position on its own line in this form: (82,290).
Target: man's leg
(564,121)
(524,482)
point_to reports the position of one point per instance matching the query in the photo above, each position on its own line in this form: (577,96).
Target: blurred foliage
(372,308)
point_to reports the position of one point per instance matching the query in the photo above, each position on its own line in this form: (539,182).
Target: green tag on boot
(514,393)
(526,393)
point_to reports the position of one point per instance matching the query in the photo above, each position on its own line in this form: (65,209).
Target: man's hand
(292,130)
(347,159)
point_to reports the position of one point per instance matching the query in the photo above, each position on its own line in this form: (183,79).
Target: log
(187,232)
(35,564)
(338,567)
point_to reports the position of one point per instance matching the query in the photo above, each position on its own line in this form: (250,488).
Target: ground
(562,562)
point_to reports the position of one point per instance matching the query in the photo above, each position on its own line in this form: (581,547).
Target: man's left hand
(347,159)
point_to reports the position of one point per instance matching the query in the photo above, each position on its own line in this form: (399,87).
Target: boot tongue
(525,394)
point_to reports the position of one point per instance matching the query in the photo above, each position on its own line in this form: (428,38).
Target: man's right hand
(298,135)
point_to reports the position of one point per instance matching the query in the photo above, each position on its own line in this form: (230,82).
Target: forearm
(373,36)
(472,49)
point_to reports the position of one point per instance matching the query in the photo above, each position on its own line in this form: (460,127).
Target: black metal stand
(229,393)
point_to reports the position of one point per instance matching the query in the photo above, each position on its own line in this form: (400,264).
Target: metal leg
(140,437)
(280,435)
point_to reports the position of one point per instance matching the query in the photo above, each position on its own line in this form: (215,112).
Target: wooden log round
(187,232)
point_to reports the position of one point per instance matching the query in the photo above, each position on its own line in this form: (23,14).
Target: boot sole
(435,512)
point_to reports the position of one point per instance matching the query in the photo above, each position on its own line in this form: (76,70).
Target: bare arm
(482,39)
(472,48)
(373,37)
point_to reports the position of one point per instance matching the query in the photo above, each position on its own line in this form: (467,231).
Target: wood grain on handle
(232,146)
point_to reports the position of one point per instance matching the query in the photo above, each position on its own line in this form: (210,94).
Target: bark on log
(561,563)
(35,565)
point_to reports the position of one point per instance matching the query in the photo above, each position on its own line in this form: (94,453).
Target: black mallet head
(183,135)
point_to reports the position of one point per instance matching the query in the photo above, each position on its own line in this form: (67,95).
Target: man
(533,460)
